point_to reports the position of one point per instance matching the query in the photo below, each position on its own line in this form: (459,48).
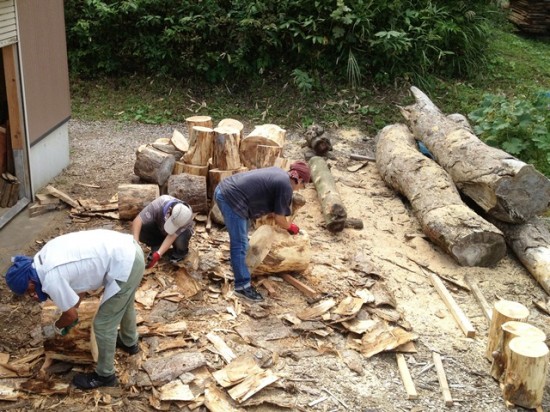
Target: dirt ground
(390,249)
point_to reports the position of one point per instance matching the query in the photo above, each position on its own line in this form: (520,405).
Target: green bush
(519,125)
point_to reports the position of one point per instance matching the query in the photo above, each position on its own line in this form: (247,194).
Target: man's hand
(152,259)
(66,329)
(50,331)
(293,229)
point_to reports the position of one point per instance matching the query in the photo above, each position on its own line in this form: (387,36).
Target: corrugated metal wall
(8,28)
(44,67)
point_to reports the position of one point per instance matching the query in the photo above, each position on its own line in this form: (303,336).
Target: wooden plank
(225,351)
(442,380)
(485,308)
(406,376)
(453,307)
(61,195)
(302,287)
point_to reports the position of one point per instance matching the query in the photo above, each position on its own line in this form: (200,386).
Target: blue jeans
(237,227)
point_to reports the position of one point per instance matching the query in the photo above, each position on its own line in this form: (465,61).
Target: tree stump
(503,186)
(526,373)
(503,311)
(152,165)
(267,135)
(203,121)
(445,219)
(511,330)
(75,347)
(215,176)
(225,153)
(332,207)
(181,167)
(133,198)
(190,189)
(235,124)
(201,150)
(274,250)
(266,156)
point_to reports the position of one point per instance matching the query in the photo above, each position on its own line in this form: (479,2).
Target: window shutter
(8,28)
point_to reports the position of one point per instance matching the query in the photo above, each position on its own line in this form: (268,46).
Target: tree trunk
(531,243)
(267,135)
(226,149)
(203,121)
(190,189)
(274,250)
(181,167)
(445,219)
(266,156)
(153,166)
(133,198)
(215,176)
(503,311)
(500,184)
(75,347)
(511,330)
(332,207)
(201,150)
(526,372)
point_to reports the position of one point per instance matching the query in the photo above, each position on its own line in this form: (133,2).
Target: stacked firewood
(531,16)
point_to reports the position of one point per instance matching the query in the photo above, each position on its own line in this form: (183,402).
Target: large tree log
(332,207)
(274,250)
(235,124)
(526,372)
(500,184)
(75,347)
(190,189)
(201,150)
(503,311)
(225,154)
(133,198)
(531,244)
(203,121)
(267,135)
(446,220)
(317,140)
(152,165)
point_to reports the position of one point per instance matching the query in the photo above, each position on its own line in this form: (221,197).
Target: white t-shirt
(84,261)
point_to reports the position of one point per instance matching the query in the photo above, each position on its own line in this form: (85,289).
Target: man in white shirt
(72,264)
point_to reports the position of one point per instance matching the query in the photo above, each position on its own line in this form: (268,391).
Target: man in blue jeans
(250,195)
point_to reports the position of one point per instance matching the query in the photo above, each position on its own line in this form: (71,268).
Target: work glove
(293,229)
(51,330)
(152,259)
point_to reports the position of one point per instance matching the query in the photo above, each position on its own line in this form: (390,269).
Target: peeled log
(503,186)
(531,244)
(267,135)
(274,250)
(152,165)
(503,311)
(201,150)
(446,220)
(133,198)
(235,124)
(190,189)
(332,207)
(225,153)
(526,372)
(203,121)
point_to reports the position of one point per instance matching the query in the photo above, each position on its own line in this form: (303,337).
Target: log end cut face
(483,249)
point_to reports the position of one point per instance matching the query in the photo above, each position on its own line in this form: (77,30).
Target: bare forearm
(281,221)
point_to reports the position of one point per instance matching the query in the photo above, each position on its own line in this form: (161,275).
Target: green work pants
(118,310)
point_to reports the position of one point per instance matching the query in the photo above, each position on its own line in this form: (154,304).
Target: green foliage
(518,125)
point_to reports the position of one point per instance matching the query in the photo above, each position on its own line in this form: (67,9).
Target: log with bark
(274,250)
(234,124)
(152,165)
(503,186)
(445,219)
(190,189)
(203,121)
(266,135)
(200,151)
(531,244)
(332,207)
(133,198)
(181,167)
(266,156)
(317,140)
(225,152)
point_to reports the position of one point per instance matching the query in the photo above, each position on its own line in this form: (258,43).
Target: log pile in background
(531,16)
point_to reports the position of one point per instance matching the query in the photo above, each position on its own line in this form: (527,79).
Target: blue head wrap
(19,274)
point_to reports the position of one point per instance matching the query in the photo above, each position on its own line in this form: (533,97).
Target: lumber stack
(530,16)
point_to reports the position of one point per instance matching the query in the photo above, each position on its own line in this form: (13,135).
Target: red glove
(293,229)
(152,260)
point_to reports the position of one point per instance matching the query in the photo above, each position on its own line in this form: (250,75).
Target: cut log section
(511,330)
(266,156)
(445,219)
(225,153)
(274,250)
(133,198)
(531,244)
(317,140)
(215,176)
(152,165)
(526,372)
(190,189)
(266,135)
(181,167)
(234,124)
(203,121)
(503,311)
(201,150)
(500,184)
(179,141)
(332,207)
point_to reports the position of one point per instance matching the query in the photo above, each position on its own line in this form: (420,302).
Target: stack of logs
(531,16)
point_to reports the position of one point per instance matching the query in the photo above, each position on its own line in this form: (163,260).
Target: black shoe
(93,380)
(249,293)
(177,257)
(131,350)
